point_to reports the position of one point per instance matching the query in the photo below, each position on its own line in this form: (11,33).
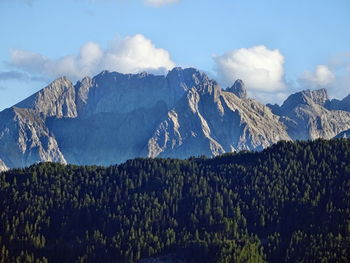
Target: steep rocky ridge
(25,139)
(211,121)
(306,117)
(113,117)
(57,99)
(124,93)
(238,88)
(101,120)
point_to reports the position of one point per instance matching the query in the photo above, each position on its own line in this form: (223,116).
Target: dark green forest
(288,203)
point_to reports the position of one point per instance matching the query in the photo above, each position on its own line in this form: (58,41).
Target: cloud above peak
(137,53)
(321,77)
(131,54)
(261,69)
(158,3)
(335,76)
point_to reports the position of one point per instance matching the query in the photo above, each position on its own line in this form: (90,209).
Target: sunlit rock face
(3,166)
(307,116)
(113,117)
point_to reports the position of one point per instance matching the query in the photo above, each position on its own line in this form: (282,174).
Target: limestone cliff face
(306,117)
(3,166)
(106,138)
(211,121)
(25,139)
(238,88)
(125,93)
(55,100)
(113,117)
(101,120)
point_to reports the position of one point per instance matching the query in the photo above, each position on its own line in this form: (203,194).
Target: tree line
(288,203)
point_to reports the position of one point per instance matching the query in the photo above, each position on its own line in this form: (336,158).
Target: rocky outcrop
(113,117)
(3,166)
(306,117)
(25,139)
(55,100)
(238,88)
(101,120)
(211,121)
(125,93)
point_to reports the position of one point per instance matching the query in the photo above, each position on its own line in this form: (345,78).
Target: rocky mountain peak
(113,117)
(319,96)
(82,89)
(306,97)
(57,99)
(181,81)
(238,88)
(186,78)
(307,115)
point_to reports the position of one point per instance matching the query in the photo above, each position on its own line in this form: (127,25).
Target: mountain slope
(25,139)
(306,117)
(57,99)
(211,122)
(113,117)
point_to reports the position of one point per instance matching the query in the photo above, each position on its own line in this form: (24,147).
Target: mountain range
(113,117)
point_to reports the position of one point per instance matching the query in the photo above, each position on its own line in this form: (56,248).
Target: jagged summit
(238,88)
(188,78)
(57,99)
(307,116)
(319,97)
(112,117)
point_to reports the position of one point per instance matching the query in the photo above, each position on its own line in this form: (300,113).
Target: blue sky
(276,47)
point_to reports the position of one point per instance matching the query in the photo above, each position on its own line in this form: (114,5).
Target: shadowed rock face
(113,117)
(335,104)
(344,134)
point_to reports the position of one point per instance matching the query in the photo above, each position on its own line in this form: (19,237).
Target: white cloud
(322,77)
(159,2)
(259,67)
(334,75)
(129,55)
(135,54)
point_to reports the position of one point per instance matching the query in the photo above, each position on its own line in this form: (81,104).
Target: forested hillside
(288,203)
